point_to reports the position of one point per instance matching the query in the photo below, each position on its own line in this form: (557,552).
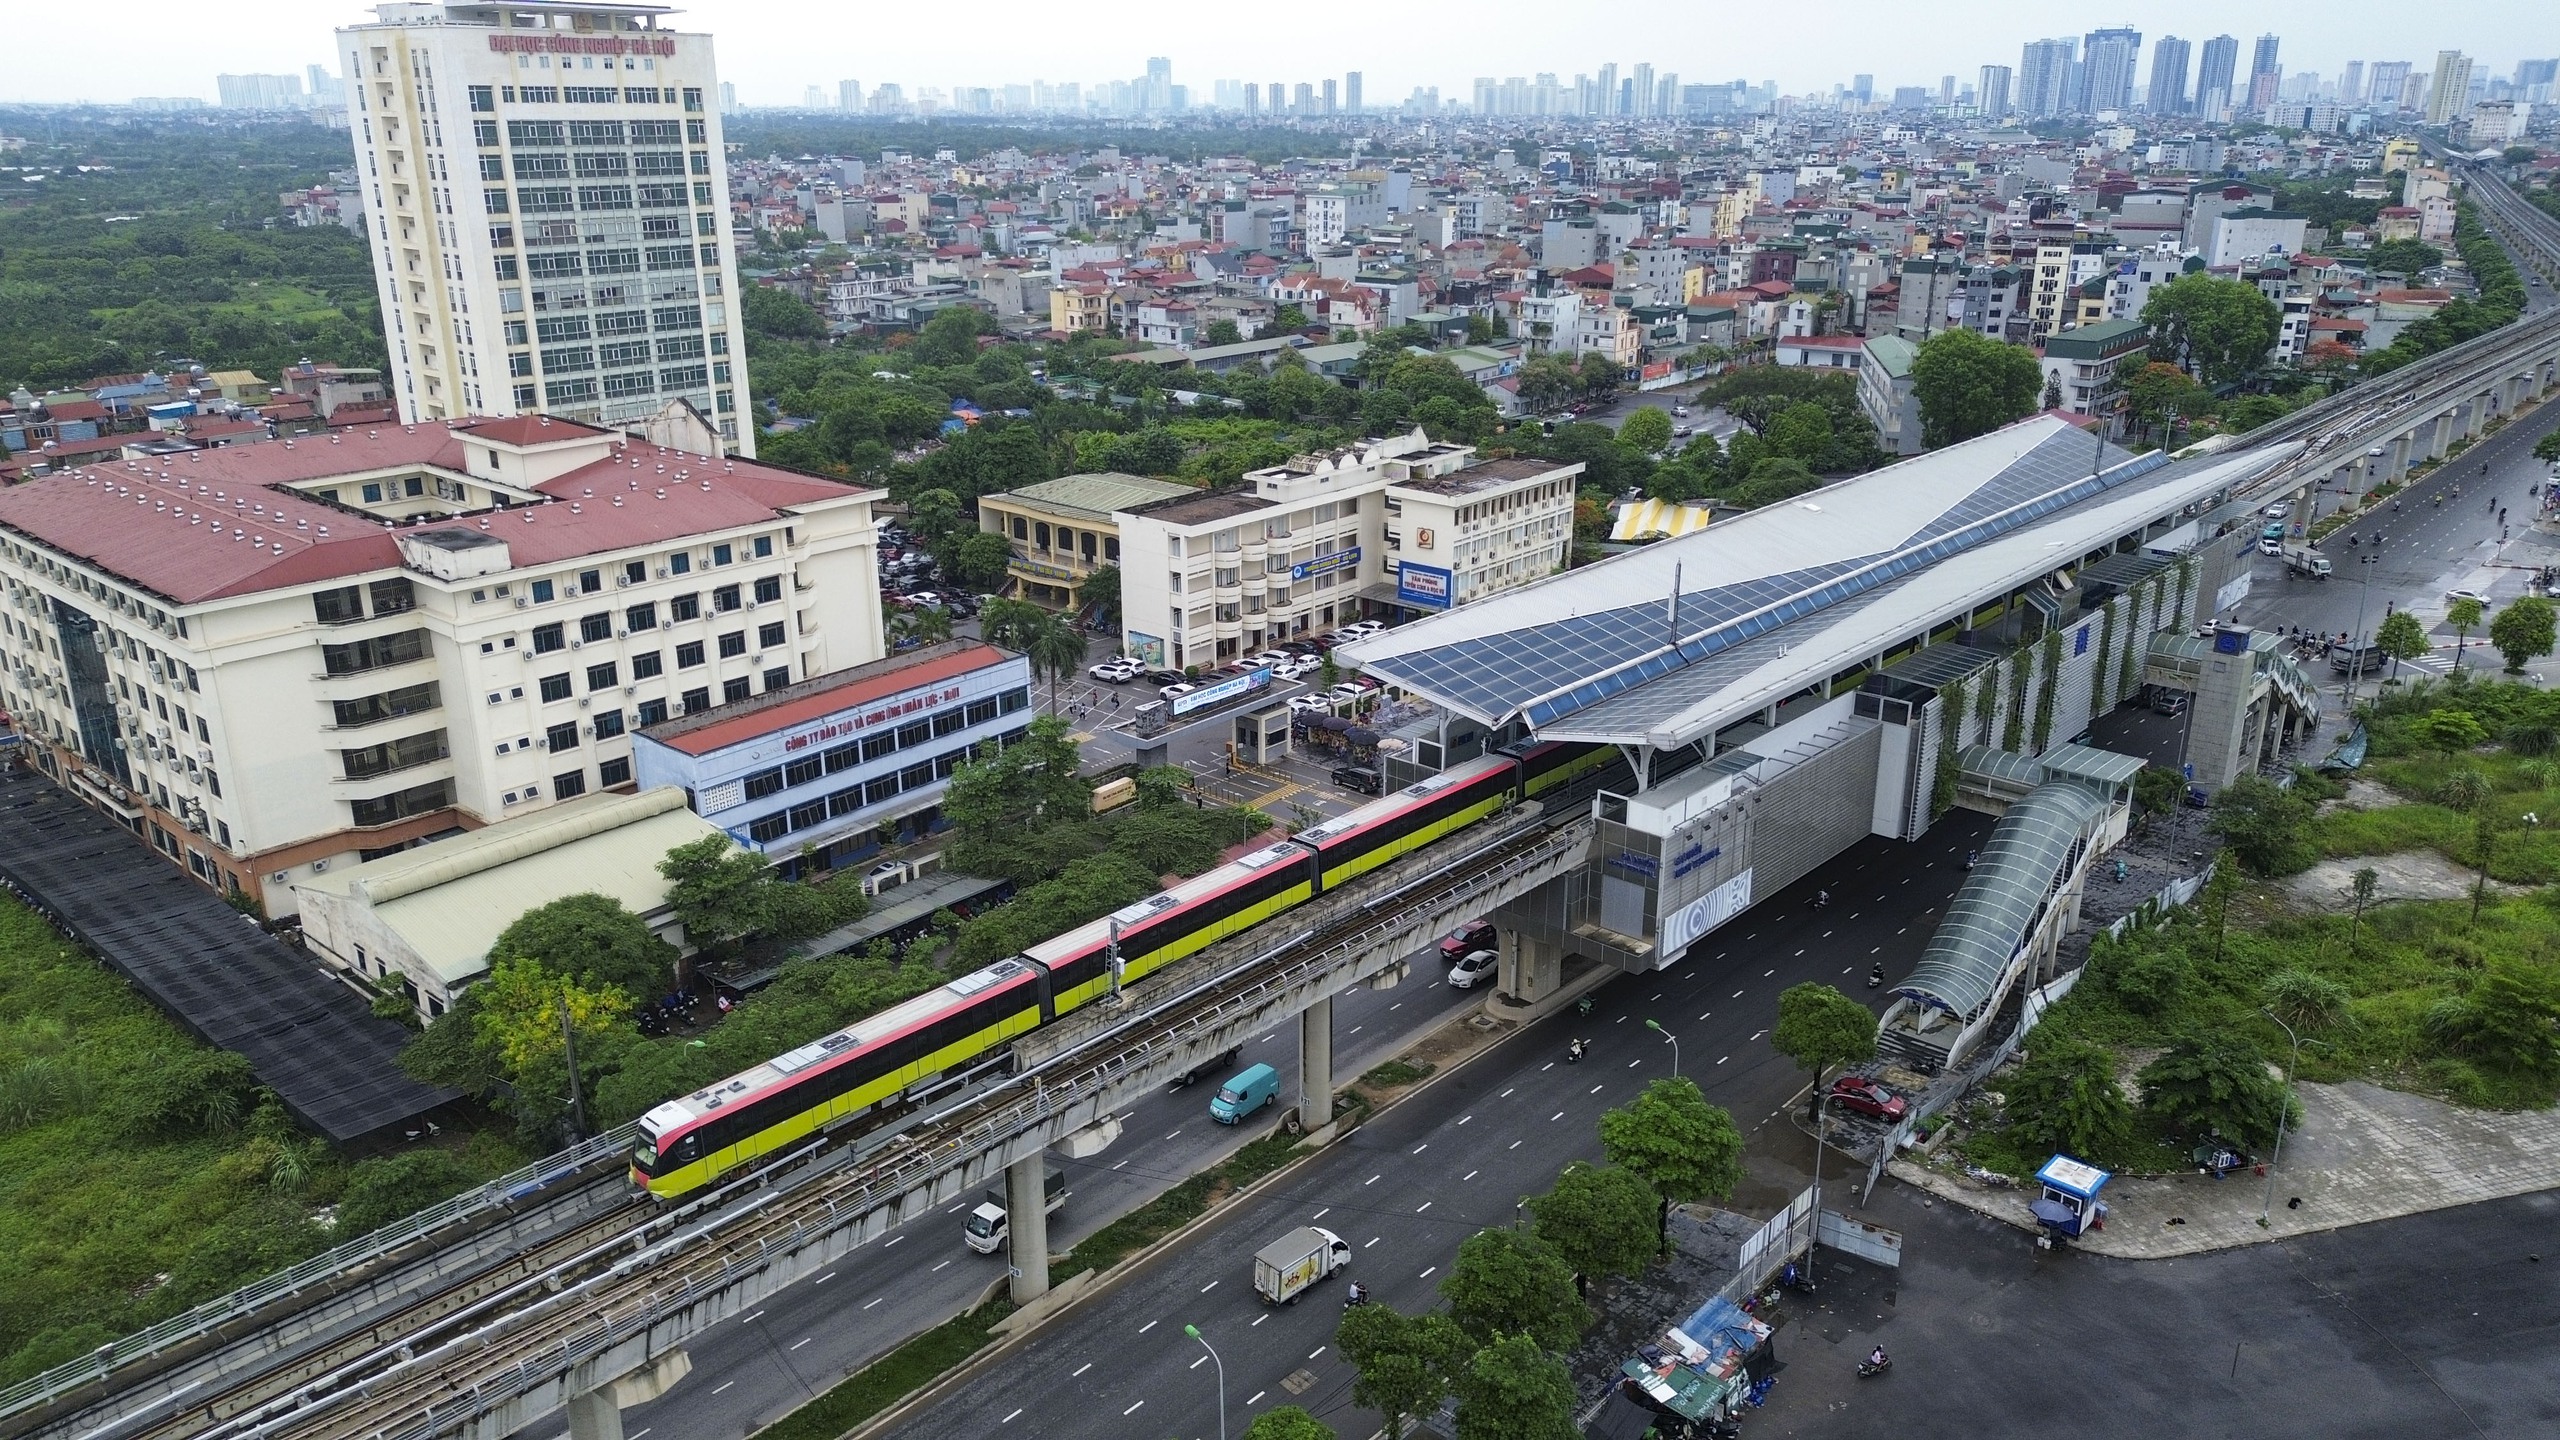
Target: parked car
(1360,778)
(1309,702)
(1175,692)
(1115,672)
(1473,969)
(1288,670)
(1867,1097)
(1267,657)
(1345,693)
(1164,677)
(1474,935)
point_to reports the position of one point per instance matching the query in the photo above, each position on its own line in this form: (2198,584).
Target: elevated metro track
(613,1300)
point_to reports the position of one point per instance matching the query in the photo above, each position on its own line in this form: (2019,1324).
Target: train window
(644,1154)
(689,1147)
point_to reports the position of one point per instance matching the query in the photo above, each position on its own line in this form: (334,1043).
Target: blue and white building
(845,762)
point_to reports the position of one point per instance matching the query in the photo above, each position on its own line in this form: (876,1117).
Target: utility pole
(577,1091)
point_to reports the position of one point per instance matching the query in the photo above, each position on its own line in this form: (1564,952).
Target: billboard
(1149,648)
(1225,690)
(1326,564)
(1423,585)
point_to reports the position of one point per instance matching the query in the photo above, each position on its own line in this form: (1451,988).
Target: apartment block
(549,213)
(274,658)
(1401,525)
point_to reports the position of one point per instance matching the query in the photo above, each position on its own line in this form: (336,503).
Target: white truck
(1284,1269)
(2303,560)
(987,1229)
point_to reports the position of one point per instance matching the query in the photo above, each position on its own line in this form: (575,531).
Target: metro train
(687,1143)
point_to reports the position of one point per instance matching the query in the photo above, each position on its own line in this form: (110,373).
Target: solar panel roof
(310,1039)
(1570,653)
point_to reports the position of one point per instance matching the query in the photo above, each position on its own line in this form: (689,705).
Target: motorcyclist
(1877,1359)
(1821,899)
(1357,1295)
(1576,1050)
(1875,977)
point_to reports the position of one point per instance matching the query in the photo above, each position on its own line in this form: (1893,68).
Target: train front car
(833,1080)
(1408,819)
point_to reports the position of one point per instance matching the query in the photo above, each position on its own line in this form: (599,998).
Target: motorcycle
(1875,978)
(1356,1297)
(1874,1367)
(1794,1278)
(1574,1052)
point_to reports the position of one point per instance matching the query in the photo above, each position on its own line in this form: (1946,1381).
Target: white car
(2279,510)
(1309,702)
(1267,657)
(2479,596)
(1288,670)
(1364,628)
(1176,692)
(1474,968)
(1344,694)
(1115,672)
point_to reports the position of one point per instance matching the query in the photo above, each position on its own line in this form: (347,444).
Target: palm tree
(1011,624)
(1055,650)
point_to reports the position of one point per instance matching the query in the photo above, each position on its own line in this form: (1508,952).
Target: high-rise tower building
(2045,69)
(2351,83)
(1991,92)
(2106,70)
(2266,77)
(2168,92)
(2216,67)
(2390,83)
(550,214)
(1351,92)
(2450,93)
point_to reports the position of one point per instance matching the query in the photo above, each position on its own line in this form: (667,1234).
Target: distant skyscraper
(2168,92)
(1991,92)
(728,98)
(2351,83)
(1608,90)
(1864,87)
(2106,70)
(849,96)
(259,92)
(1351,92)
(2214,72)
(813,98)
(1331,94)
(2265,75)
(327,89)
(2044,77)
(2449,94)
(1642,78)
(481,295)
(2534,79)
(2390,84)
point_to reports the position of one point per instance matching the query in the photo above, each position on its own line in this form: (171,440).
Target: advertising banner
(1423,585)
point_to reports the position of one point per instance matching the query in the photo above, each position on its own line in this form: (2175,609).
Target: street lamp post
(2355,653)
(1656,1027)
(1821,1114)
(1194,1332)
(2267,1206)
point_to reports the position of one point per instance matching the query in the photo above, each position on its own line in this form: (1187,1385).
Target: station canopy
(1779,599)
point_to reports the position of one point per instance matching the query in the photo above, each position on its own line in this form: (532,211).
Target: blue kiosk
(2069,1206)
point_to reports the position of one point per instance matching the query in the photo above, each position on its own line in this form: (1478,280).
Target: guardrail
(249,1300)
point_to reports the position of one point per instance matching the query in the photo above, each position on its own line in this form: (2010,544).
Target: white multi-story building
(1403,524)
(549,213)
(269,659)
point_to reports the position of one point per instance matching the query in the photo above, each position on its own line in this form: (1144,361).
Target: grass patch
(106,1224)
(892,1377)
(1395,1073)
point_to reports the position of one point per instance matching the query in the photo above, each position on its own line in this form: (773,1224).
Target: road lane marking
(1543,1069)
(1122,1163)
(938,1269)
(1427,1274)
(954,1210)
(1737,994)
(1321,1213)
(1173,1132)
(1722,1058)
(1196,1364)
(1470,1175)
(1424,1206)
(1425,1145)
(1374,1239)
(1009,1419)
(874,1300)
(1212,1285)
(1372,1180)
(1319,1351)
(803,1340)
(1595,1089)
(1259,1319)
(1515,1144)
(1081,1369)
(1132,1410)
(1258,1394)
(823,1279)
(1756,1034)
(755,1317)
(725,1384)
(894,1239)
(1505,1095)
(1463,1119)
(1634,1063)
(1555,1117)
(1150,1325)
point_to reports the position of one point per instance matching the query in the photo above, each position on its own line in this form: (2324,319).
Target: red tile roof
(224,522)
(867,683)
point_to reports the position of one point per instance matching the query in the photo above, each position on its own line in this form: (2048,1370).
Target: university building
(274,658)
(549,213)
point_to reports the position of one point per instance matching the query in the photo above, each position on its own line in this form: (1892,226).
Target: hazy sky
(773,48)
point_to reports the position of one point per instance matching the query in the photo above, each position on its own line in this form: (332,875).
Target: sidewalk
(2363,1153)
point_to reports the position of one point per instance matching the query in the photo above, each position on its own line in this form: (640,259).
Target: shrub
(2305,1000)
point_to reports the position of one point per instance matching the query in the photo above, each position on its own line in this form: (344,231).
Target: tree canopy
(593,939)
(1599,1219)
(1820,1028)
(1506,1283)
(2214,329)
(1687,1149)
(1969,384)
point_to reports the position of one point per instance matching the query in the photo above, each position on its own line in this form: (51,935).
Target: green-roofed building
(1061,531)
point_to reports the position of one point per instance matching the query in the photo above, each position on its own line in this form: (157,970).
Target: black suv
(1360,778)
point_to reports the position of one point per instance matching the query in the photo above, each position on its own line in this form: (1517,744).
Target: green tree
(394,1187)
(1288,1423)
(1403,1365)
(2402,638)
(188,1091)
(2367,881)
(2264,825)
(2464,616)
(1286,319)
(2548,448)
(2448,731)
(1002,807)
(716,890)
(594,939)
(1801,432)
(950,337)
(1685,1148)
(1221,332)
(1647,431)
(2523,631)
(779,315)
(1546,383)
(2161,395)
(1099,594)
(1514,1390)
(1055,649)
(2065,1096)
(1820,1028)
(1505,1283)
(1601,1219)
(2514,1017)
(2216,1083)
(2216,330)
(980,559)
(2404,257)
(1969,384)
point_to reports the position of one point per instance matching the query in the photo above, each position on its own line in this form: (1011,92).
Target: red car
(1857,1092)
(1474,935)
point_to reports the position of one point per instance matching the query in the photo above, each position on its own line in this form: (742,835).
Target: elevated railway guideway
(2375,431)
(608,1324)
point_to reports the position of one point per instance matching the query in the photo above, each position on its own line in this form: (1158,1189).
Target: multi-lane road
(1454,1158)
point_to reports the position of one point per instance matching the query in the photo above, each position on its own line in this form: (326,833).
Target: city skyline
(775,52)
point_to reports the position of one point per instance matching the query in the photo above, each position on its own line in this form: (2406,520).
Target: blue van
(1247,1091)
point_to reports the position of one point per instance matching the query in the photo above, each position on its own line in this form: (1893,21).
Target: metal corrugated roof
(1962,967)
